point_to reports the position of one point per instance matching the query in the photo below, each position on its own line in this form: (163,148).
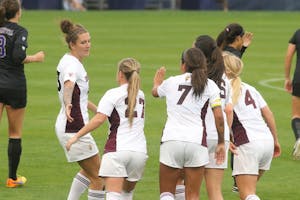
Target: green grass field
(155,38)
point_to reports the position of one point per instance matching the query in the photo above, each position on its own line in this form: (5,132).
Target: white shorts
(211,145)
(84,148)
(179,154)
(127,164)
(252,157)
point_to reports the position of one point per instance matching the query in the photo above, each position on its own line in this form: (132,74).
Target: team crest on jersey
(23,38)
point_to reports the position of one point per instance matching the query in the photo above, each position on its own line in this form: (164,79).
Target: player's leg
(296,119)
(246,185)
(79,185)
(91,168)
(180,187)
(128,189)
(168,177)
(113,186)
(213,180)
(193,179)
(134,168)
(15,123)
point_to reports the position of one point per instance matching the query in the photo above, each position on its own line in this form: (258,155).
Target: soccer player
(254,131)
(73,88)
(216,71)
(183,146)
(13,89)
(293,87)
(125,152)
(234,39)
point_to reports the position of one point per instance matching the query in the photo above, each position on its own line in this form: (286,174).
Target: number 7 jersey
(186,114)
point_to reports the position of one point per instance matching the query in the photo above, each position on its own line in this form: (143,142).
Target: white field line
(267,83)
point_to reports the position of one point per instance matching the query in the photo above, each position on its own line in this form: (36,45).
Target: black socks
(14,151)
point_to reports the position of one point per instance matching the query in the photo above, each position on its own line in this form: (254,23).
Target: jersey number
(186,89)
(2,46)
(249,100)
(142,102)
(222,89)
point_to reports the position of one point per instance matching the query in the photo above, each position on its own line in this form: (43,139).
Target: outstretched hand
(247,39)
(159,76)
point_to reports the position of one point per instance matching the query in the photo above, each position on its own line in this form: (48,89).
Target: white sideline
(266,83)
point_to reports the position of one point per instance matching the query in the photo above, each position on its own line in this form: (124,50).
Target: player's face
(82,46)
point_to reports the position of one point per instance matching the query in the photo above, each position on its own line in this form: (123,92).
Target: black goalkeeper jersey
(13,45)
(296,41)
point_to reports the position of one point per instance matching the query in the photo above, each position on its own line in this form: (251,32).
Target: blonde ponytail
(233,70)
(130,68)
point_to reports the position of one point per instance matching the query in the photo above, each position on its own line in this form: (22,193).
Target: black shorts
(296,89)
(16,98)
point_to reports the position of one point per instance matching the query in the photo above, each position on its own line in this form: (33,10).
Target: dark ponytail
(214,58)
(195,63)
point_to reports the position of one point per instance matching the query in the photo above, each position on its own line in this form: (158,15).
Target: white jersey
(122,137)
(225,94)
(186,114)
(248,123)
(71,69)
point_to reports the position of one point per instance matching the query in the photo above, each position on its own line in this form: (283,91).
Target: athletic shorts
(179,154)
(211,145)
(16,98)
(127,164)
(84,148)
(252,157)
(296,89)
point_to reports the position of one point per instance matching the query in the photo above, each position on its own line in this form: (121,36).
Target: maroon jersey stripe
(78,122)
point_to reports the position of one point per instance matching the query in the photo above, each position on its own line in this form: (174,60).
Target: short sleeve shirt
(186,113)
(248,123)
(122,136)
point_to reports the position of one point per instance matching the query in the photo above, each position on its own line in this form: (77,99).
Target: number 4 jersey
(122,137)
(248,123)
(13,45)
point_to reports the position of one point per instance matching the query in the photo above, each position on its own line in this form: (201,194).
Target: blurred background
(81,5)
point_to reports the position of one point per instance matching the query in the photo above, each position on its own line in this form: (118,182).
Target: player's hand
(220,153)
(159,75)
(71,141)
(39,56)
(247,39)
(277,150)
(232,148)
(68,113)
(288,85)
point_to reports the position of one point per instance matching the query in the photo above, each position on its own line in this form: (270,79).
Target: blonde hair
(233,70)
(131,68)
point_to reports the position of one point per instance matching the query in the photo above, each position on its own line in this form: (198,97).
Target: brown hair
(8,10)
(131,68)
(213,54)
(195,63)
(71,31)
